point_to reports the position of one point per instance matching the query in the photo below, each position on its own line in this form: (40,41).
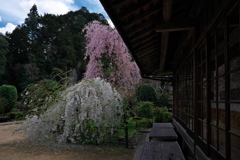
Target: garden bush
(163,100)
(129,102)
(144,109)
(84,114)
(8,98)
(3,104)
(15,114)
(161,114)
(146,92)
(37,98)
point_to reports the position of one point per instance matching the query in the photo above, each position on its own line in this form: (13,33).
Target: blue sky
(13,12)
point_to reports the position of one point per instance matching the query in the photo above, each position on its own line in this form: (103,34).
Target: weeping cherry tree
(109,57)
(90,104)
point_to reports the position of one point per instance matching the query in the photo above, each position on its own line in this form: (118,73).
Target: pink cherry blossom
(105,44)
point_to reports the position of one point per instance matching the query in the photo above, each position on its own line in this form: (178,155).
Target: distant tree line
(42,43)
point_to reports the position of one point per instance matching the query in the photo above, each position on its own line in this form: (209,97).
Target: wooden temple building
(195,44)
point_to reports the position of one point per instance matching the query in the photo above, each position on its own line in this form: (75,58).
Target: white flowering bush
(87,111)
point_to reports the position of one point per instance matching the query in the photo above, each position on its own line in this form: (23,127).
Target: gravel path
(17,147)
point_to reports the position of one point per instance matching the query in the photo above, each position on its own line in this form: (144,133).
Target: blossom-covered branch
(109,57)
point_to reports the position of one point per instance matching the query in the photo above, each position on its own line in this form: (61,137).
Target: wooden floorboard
(161,151)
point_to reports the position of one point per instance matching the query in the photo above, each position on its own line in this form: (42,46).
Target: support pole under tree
(126,132)
(125,129)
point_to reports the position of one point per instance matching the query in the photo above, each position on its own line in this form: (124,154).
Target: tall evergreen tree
(32,23)
(3,52)
(18,59)
(45,42)
(32,27)
(19,46)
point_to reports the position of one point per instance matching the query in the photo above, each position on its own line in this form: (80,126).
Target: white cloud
(48,6)
(9,28)
(15,11)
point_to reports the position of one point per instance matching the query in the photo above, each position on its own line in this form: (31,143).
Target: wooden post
(126,132)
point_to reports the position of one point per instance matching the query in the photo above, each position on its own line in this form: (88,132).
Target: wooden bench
(161,151)
(163,125)
(163,132)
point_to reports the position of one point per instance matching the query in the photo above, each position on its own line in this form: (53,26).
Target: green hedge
(146,92)
(163,100)
(8,98)
(162,115)
(144,109)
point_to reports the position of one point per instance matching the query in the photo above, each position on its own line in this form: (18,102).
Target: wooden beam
(161,73)
(152,58)
(196,8)
(174,27)
(145,41)
(167,12)
(135,8)
(136,43)
(146,46)
(117,3)
(194,12)
(164,46)
(160,78)
(148,52)
(140,27)
(146,49)
(131,22)
(146,34)
(149,63)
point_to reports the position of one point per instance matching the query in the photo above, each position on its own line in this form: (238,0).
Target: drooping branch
(109,57)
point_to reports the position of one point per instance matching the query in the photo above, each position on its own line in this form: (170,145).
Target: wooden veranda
(197,44)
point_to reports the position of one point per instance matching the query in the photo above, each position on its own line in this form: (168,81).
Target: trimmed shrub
(162,115)
(3,104)
(8,98)
(145,109)
(146,92)
(164,100)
